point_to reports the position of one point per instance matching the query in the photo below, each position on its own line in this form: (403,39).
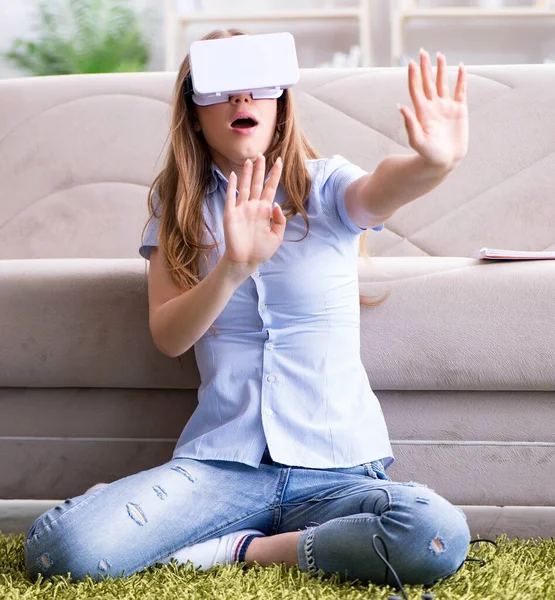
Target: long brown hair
(182,183)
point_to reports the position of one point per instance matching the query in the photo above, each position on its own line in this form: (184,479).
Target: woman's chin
(248,151)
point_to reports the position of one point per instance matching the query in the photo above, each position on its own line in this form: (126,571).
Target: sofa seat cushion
(449,323)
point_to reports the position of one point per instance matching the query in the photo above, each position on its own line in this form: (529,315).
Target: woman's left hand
(438,127)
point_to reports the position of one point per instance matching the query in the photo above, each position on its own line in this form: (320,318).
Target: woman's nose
(238,98)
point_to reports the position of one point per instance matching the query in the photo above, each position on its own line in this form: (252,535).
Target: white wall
(487,42)
(14,22)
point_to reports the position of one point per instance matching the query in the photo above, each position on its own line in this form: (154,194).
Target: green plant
(83,36)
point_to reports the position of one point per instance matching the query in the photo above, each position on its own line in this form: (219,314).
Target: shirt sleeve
(338,174)
(150,236)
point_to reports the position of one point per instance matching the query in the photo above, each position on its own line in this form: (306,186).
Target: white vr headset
(262,65)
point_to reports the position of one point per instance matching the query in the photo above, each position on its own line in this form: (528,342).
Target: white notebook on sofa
(496,254)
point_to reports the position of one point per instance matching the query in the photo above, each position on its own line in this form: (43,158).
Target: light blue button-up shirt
(284,369)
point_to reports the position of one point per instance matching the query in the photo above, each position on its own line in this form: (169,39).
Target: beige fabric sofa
(461,356)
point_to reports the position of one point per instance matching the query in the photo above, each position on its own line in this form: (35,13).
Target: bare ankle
(274,549)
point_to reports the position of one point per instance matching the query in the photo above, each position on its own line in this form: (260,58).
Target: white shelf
(475,12)
(401,15)
(279,15)
(177,24)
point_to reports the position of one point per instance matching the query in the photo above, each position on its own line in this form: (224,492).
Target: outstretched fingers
(258,177)
(427,75)
(230,199)
(460,89)
(245,185)
(272,184)
(442,82)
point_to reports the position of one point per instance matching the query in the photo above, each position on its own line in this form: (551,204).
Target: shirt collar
(215,174)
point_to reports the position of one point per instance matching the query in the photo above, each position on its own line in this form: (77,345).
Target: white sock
(95,487)
(217,551)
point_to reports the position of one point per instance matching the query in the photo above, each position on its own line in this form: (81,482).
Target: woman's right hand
(249,239)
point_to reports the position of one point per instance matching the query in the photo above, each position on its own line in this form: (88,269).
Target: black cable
(477,541)
(388,566)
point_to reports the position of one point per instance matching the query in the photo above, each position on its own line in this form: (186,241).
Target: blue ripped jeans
(141,519)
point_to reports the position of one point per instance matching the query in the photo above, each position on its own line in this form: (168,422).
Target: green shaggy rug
(516,569)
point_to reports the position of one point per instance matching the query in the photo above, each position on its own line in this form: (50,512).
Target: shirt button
(262,306)
(256,274)
(269,412)
(271,378)
(270,345)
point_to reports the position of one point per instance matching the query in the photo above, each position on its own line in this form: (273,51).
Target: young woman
(253,243)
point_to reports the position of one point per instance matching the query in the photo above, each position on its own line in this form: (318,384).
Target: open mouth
(244,123)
